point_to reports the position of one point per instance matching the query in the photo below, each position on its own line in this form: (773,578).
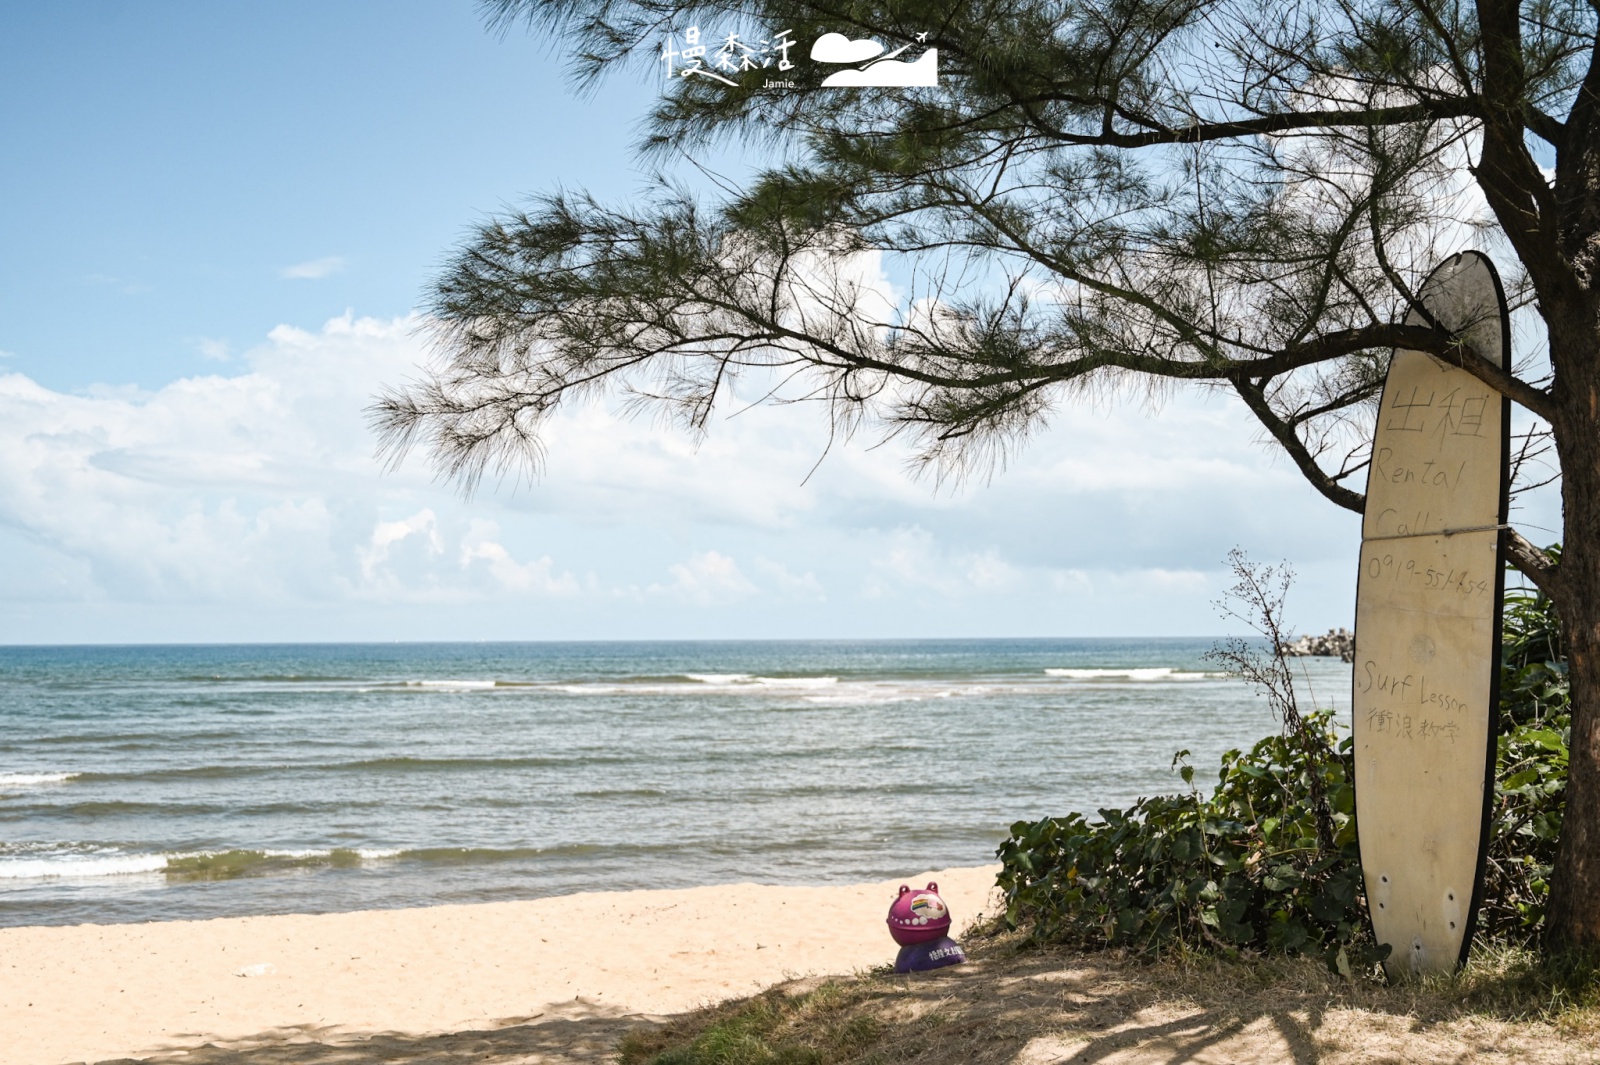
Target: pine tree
(1097,194)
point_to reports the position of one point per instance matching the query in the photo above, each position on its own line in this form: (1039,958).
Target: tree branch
(1546,127)
(1534,564)
(1279,122)
(1254,395)
(1456,353)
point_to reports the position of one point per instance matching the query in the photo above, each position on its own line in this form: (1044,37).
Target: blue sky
(167,162)
(216,221)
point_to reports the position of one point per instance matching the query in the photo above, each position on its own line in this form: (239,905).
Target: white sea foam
(364,853)
(749,682)
(78,864)
(71,866)
(1152,673)
(866,698)
(880,693)
(34,780)
(451,685)
(797,682)
(594,688)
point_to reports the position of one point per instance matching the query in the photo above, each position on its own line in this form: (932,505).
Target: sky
(217,222)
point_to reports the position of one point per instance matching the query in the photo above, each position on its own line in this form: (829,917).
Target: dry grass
(1018,1004)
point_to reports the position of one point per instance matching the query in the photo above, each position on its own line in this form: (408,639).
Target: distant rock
(1338,642)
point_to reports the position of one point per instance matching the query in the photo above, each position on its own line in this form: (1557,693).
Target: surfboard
(1427,644)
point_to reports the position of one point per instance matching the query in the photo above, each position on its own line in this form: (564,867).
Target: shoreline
(89,992)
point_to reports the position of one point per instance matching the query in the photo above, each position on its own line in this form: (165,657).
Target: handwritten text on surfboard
(1402,700)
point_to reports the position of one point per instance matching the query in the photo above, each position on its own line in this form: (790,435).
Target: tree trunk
(1573,919)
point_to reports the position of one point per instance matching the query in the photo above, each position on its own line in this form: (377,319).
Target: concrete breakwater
(1339,643)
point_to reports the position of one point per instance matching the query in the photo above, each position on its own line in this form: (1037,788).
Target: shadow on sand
(1035,1007)
(578,1034)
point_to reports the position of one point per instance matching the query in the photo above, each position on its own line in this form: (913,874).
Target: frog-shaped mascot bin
(920,922)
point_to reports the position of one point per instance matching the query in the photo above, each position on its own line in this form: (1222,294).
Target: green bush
(1531,771)
(1249,868)
(1242,869)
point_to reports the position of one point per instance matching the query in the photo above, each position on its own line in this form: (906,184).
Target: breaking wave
(1145,675)
(34,780)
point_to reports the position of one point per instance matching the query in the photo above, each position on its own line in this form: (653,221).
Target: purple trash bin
(920,922)
(918,916)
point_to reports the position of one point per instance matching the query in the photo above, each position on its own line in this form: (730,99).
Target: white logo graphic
(885,71)
(736,56)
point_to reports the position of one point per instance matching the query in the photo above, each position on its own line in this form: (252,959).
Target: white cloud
(212,487)
(313,269)
(211,348)
(1070,582)
(915,561)
(537,577)
(706,579)
(385,534)
(258,490)
(1153,583)
(1158,581)
(804,588)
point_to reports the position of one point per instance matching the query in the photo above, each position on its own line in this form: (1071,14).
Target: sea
(149,783)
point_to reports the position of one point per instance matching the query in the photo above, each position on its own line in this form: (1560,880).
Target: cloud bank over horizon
(250,506)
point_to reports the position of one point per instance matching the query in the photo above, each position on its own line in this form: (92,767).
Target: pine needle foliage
(1097,194)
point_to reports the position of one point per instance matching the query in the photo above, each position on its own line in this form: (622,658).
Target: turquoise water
(151,783)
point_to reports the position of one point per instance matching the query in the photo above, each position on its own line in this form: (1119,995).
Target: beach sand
(95,992)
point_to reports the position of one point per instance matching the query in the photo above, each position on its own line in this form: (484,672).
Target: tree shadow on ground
(1041,1006)
(1008,1006)
(577,1034)
(1044,1006)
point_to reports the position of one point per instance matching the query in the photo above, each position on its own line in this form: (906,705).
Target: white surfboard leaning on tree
(1428,606)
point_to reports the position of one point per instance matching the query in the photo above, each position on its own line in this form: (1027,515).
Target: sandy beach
(94,992)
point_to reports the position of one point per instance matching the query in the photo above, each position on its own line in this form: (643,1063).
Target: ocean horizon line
(620,640)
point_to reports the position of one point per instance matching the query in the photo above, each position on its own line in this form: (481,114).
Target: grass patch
(1514,983)
(1506,1006)
(815,1027)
